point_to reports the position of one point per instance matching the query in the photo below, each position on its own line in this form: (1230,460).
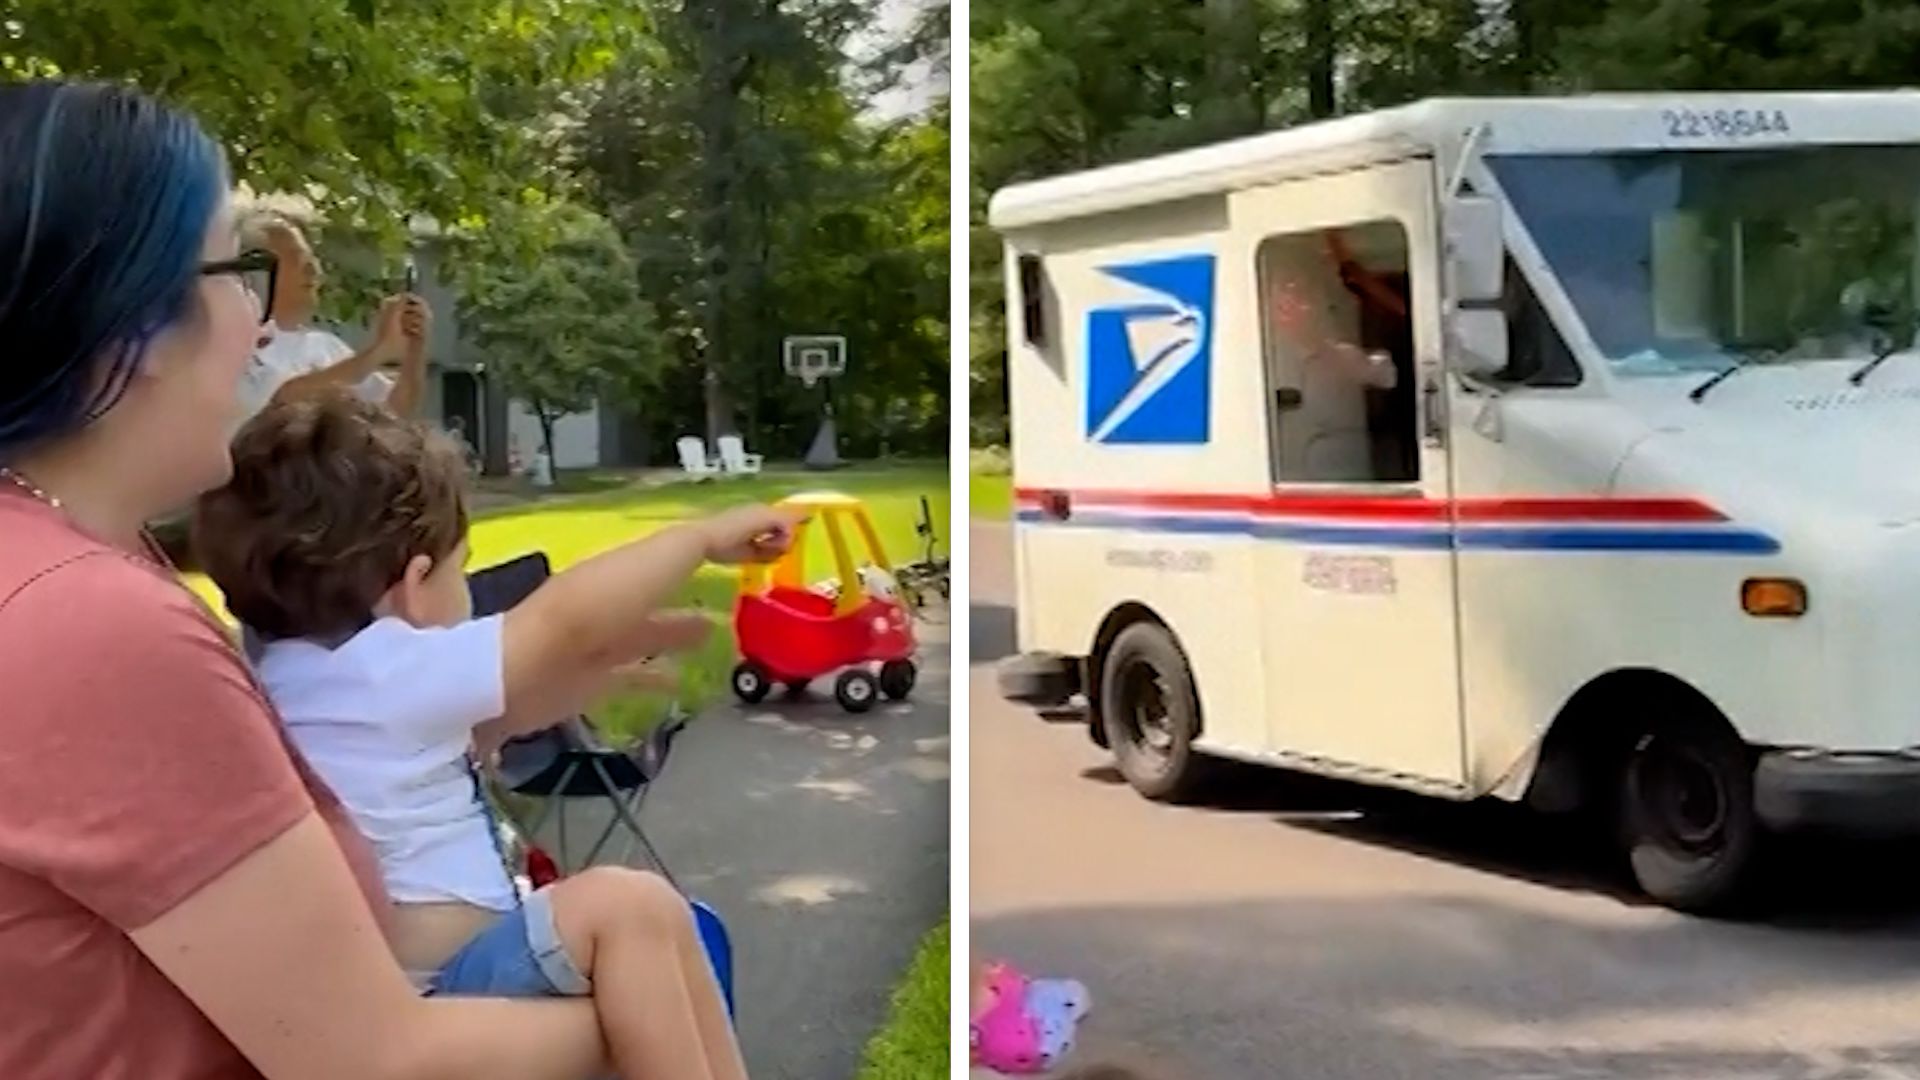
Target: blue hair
(105,199)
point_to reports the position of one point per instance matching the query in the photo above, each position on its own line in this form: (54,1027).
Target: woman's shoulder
(56,581)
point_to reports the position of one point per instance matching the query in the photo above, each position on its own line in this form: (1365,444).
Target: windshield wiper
(1750,355)
(1884,323)
(1717,378)
(1879,357)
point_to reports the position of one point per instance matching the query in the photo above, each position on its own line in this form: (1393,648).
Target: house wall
(576,437)
(502,425)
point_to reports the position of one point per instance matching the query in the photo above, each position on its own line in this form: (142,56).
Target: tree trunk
(546,418)
(723,74)
(1318,19)
(1223,48)
(1233,64)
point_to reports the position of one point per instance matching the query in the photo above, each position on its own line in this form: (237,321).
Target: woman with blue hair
(180,897)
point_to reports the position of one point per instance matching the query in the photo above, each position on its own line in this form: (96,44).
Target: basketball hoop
(811,358)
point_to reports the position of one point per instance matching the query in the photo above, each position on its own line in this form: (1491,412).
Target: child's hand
(672,632)
(750,533)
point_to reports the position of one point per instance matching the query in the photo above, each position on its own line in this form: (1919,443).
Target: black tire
(751,682)
(897,678)
(856,689)
(1150,713)
(1687,816)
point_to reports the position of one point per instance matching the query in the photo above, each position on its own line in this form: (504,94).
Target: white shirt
(284,355)
(387,720)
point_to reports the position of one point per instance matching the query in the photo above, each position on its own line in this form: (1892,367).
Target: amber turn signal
(1779,598)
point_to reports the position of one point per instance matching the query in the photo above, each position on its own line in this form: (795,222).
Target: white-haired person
(296,359)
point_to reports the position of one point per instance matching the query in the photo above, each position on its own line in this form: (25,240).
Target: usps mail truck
(1563,451)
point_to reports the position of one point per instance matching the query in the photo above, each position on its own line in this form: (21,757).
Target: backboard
(812,357)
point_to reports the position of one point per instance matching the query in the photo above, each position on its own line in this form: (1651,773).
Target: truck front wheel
(1687,813)
(1150,713)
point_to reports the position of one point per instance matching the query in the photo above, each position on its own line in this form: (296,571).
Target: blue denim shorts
(519,956)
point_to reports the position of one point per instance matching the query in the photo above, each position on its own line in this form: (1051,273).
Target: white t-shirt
(387,720)
(284,355)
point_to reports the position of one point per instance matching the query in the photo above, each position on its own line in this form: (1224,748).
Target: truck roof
(1595,123)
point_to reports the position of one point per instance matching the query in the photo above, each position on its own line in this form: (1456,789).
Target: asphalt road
(822,838)
(1305,929)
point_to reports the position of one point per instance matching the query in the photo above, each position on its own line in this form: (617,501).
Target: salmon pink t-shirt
(138,763)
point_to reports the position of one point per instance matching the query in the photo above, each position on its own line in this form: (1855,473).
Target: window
(1685,261)
(1033,316)
(1336,313)
(1536,353)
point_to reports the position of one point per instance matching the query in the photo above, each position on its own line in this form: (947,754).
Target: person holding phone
(295,359)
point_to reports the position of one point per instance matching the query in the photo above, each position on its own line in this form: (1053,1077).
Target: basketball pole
(824,454)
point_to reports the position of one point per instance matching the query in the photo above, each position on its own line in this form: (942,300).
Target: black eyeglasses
(257,271)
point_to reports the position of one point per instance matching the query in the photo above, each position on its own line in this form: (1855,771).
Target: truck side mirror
(1475,253)
(1477,341)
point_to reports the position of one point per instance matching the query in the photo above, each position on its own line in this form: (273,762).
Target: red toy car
(791,634)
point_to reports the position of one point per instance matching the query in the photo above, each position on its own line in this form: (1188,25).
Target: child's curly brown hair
(330,498)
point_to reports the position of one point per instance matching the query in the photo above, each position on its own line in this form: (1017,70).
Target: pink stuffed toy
(1017,1032)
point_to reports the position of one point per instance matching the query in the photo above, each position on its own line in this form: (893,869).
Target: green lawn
(990,484)
(575,528)
(990,496)
(916,1042)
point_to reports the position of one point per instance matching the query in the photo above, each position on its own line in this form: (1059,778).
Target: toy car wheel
(750,682)
(896,678)
(856,690)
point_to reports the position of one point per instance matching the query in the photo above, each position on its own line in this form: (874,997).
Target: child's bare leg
(653,986)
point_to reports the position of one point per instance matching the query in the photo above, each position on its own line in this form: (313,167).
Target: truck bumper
(1039,679)
(1871,794)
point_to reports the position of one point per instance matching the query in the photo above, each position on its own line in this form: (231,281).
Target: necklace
(29,487)
(147,540)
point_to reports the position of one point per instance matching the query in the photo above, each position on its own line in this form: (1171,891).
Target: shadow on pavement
(1455,988)
(1809,883)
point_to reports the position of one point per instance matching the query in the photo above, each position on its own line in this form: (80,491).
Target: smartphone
(413,276)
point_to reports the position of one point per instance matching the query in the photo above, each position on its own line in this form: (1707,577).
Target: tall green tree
(376,109)
(829,225)
(552,300)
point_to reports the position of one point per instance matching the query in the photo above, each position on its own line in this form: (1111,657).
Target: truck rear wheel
(1687,813)
(1151,714)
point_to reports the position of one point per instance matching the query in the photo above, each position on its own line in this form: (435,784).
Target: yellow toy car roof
(821,500)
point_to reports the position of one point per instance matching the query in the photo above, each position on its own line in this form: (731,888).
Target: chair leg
(623,814)
(566,780)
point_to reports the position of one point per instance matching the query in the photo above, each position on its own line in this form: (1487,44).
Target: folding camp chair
(569,761)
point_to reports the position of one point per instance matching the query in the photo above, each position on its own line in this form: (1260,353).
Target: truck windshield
(1687,261)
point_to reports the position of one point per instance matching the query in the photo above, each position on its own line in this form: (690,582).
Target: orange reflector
(1773,597)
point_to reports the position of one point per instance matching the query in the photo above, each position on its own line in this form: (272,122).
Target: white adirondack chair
(693,458)
(734,457)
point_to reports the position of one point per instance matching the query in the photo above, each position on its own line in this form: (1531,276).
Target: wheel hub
(1149,721)
(1689,803)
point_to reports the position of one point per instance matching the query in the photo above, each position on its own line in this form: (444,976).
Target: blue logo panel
(1150,360)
